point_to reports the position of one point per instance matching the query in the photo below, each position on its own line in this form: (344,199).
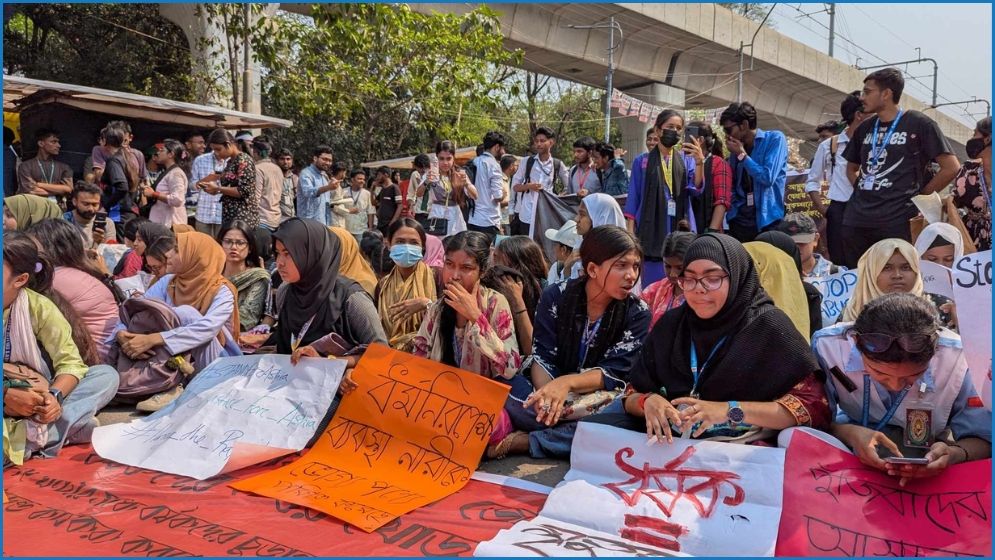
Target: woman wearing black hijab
(319,312)
(726,364)
(784,242)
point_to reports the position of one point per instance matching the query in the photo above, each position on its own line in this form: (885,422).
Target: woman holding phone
(902,384)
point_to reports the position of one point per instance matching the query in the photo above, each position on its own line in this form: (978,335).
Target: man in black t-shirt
(388,206)
(886,162)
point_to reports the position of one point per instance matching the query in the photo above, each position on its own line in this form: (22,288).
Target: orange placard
(411,434)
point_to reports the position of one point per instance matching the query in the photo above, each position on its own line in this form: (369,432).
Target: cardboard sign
(834,505)
(972,284)
(836,291)
(412,433)
(936,279)
(78,504)
(237,412)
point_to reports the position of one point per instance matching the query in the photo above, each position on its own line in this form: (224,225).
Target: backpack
(142,378)
(557,168)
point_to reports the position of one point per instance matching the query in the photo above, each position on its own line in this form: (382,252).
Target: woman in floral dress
(237,185)
(972,190)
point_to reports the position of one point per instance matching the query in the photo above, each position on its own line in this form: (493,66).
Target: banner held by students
(936,279)
(412,433)
(972,284)
(237,412)
(836,290)
(836,506)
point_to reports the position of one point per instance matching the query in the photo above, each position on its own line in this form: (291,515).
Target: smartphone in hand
(100,221)
(907,460)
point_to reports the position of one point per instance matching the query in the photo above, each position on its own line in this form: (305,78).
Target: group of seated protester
(728,346)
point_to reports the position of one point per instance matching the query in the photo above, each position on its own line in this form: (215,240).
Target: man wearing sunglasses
(759,160)
(907,404)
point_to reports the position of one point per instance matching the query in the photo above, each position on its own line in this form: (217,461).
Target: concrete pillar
(633,131)
(208,61)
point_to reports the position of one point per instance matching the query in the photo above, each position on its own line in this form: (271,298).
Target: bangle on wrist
(967,456)
(516,312)
(642,401)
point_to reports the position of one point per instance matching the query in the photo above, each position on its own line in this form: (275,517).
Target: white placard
(237,412)
(836,290)
(936,279)
(692,497)
(972,286)
(543,537)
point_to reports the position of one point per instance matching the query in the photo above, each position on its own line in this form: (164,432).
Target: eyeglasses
(709,283)
(877,343)
(239,243)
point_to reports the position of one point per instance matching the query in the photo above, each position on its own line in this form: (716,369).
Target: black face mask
(974,147)
(669,137)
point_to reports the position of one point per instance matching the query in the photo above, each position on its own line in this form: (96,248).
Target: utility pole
(611,26)
(742,54)
(832,27)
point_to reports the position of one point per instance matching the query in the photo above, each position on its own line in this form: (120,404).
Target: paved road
(542,471)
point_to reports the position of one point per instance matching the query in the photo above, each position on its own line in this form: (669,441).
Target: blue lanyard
(867,404)
(695,371)
(6,339)
(586,338)
(875,150)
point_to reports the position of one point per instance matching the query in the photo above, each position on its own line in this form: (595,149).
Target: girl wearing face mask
(658,193)
(727,364)
(404,295)
(587,334)
(972,191)
(889,266)
(470,326)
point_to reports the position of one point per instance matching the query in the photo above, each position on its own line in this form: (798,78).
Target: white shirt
(487,212)
(840,188)
(358,223)
(542,173)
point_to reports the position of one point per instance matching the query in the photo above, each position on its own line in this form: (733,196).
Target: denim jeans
(544,441)
(93,392)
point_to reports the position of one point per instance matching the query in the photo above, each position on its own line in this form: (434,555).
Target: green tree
(121,47)
(755,12)
(381,79)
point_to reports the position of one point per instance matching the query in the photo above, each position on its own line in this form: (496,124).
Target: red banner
(836,506)
(81,505)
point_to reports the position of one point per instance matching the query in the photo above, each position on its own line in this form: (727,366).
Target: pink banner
(836,506)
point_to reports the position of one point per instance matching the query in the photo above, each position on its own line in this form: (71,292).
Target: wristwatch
(57,394)
(735,414)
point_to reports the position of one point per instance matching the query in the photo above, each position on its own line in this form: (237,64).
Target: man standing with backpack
(540,172)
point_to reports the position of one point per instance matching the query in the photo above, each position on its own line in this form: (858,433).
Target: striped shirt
(208,205)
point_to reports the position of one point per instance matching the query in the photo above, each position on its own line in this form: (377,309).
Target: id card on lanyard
(696,371)
(666,176)
(740,169)
(874,157)
(865,414)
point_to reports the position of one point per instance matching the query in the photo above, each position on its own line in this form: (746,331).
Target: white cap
(246,136)
(566,235)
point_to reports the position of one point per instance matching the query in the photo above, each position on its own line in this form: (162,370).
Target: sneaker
(84,434)
(156,402)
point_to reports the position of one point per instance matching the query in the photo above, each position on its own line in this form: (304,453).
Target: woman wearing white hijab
(940,243)
(598,209)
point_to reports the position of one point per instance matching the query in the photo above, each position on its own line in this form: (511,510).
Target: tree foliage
(381,79)
(751,11)
(112,46)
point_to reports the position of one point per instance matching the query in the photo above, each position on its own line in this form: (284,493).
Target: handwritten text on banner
(836,506)
(237,412)
(411,434)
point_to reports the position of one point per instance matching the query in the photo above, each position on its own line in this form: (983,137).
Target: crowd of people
(686,310)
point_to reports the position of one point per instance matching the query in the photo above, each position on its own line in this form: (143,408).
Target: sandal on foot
(503,447)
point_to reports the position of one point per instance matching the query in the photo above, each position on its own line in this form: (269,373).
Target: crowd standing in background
(681,298)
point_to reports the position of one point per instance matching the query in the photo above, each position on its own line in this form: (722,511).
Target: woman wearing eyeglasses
(901,381)
(243,268)
(727,364)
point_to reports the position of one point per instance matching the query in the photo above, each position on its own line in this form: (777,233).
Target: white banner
(836,291)
(936,279)
(236,412)
(972,286)
(697,498)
